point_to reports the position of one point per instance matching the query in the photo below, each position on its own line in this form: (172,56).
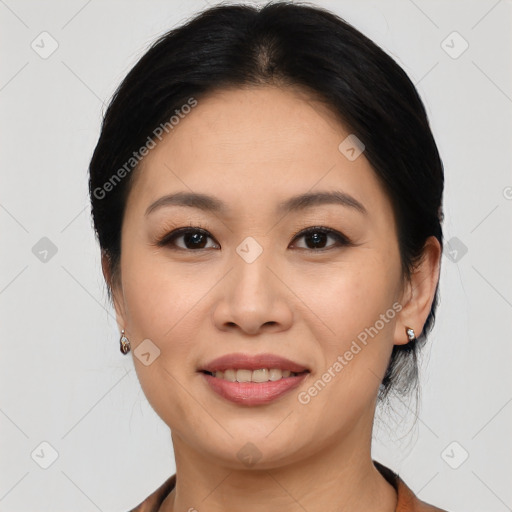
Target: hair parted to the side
(286,45)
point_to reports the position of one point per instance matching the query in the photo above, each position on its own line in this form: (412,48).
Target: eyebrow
(299,202)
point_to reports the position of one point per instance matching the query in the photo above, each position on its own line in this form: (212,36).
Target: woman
(267,195)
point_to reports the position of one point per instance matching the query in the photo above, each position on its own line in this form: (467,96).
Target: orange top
(407,501)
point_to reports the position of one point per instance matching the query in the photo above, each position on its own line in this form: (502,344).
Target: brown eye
(193,239)
(316,238)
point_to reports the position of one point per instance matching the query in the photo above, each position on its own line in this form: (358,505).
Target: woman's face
(247,285)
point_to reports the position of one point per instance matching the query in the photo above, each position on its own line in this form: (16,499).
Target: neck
(342,476)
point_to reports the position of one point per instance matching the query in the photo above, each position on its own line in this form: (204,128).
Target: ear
(419,293)
(115,289)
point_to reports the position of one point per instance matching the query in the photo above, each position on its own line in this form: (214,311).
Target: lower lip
(253,393)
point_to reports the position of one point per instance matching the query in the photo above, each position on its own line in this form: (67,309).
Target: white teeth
(275,374)
(229,375)
(243,375)
(260,375)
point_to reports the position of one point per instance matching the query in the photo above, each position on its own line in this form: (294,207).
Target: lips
(252,362)
(251,380)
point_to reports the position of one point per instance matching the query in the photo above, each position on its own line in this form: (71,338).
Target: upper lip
(252,362)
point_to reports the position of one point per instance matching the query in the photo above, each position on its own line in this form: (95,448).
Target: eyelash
(169,238)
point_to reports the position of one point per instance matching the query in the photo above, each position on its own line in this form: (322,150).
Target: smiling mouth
(260,375)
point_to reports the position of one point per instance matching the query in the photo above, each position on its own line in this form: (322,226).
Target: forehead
(255,145)
(258,123)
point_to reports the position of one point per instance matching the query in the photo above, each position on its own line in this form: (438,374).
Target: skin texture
(252,148)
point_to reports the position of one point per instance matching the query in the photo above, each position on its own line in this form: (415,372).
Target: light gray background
(63,379)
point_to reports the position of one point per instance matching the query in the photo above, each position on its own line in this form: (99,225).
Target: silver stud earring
(125,343)
(410,333)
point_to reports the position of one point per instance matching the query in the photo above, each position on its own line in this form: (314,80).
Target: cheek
(351,296)
(161,306)
(355,305)
(160,297)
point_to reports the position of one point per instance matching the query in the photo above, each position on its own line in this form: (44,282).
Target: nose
(253,299)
